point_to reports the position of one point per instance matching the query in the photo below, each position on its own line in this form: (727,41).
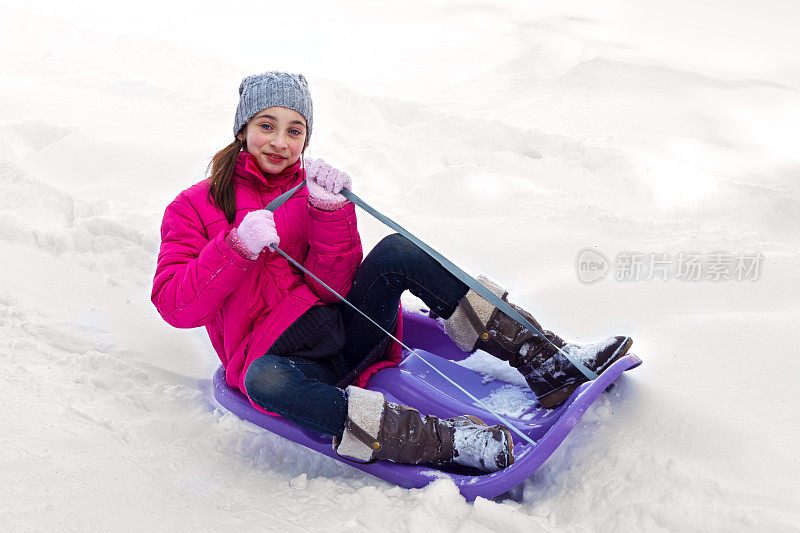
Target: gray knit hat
(269,89)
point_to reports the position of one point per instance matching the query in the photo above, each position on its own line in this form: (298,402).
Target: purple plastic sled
(413,383)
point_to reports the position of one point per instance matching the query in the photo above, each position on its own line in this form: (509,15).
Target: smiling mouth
(275,158)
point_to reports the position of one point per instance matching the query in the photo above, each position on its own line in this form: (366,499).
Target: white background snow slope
(508,135)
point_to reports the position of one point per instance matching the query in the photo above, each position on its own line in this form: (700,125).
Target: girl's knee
(395,240)
(395,247)
(266,379)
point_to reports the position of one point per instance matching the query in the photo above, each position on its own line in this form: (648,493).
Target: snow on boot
(477,324)
(552,377)
(476,444)
(379,430)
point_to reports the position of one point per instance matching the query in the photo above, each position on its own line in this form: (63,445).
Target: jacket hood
(247,171)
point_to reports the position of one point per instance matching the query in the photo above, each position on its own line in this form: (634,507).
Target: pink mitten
(325,184)
(257,231)
(327,177)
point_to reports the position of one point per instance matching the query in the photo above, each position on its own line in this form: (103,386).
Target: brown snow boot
(477,324)
(376,429)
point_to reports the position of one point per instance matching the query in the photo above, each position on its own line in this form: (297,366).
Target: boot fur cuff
(459,328)
(365,408)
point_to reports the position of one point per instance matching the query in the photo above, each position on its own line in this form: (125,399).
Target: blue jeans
(304,390)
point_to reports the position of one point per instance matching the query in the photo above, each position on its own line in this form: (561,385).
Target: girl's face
(275,137)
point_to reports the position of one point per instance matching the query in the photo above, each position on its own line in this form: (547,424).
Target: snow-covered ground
(510,136)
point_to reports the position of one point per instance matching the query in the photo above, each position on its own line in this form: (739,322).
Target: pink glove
(325,184)
(327,177)
(257,231)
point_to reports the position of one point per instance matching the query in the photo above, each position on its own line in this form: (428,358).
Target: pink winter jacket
(246,304)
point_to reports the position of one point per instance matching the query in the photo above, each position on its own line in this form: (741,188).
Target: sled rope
(468,280)
(414,352)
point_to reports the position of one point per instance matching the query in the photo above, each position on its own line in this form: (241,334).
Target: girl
(286,341)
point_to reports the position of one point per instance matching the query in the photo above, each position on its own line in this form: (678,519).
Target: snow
(512,402)
(476,446)
(508,136)
(492,368)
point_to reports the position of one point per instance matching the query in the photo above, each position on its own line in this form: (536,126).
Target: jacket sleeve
(334,250)
(194,275)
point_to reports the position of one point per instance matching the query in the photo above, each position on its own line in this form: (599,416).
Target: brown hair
(223,190)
